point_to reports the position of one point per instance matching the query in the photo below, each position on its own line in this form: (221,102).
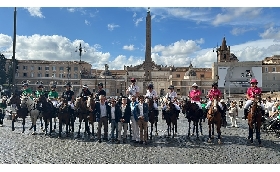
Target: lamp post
(217,52)
(80,49)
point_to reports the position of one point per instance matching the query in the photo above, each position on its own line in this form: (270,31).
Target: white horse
(33,111)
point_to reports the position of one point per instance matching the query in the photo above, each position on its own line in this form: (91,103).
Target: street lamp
(80,54)
(217,52)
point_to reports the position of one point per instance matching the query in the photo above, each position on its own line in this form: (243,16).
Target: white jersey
(133,89)
(152,94)
(172,95)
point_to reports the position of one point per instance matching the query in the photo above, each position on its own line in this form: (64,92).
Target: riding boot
(245,114)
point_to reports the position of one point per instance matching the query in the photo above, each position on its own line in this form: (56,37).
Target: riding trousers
(249,102)
(198,103)
(209,103)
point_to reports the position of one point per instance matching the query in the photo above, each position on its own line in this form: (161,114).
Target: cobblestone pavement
(24,148)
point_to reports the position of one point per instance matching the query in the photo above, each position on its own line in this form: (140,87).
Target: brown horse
(170,115)
(153,117)
(48,112)
(19,110)
(194,114)
(91,116)
(214,116)
(82,110)
(255,119)
(64,117)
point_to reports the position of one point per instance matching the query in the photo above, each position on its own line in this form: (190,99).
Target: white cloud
(71,10)
(134,14)
(137,21)
(271,33)
(112,26)
(35,11)
(87,22)
(129,47)
(239,31)
(236,14)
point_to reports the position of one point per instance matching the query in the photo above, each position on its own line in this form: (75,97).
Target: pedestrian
(233,114)
(134,126)
(141,116)
(102,111)
(124,119)
(113,119)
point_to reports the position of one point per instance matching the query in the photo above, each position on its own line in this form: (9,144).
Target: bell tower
(224,52)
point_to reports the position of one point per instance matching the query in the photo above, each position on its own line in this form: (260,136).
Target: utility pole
(14,53)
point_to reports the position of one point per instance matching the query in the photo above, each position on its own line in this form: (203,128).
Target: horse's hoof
(156,134)
(201,134)
(192,134)
(33,133)
(13,129)
(219,141)
(212,137)
(209,140)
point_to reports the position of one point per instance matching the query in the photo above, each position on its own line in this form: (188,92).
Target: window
(75,76)
(54,68)
(24,67)
(39,67)
(68,68)
(39,75)
(31,67)
(274,69)
(17,74)
(24,74)
(75,68)
(47,75)
(177,75)
(203,91)
(61,68)
(54,75)
(69,75)
(47,68)
(201,75)
(61,75)
(266,69)
(225,56)
(178,90)
(17,66)
(31,75)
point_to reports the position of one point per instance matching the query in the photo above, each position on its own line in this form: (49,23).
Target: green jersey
(27,92)
(203,105)
(39,93)
(53,95)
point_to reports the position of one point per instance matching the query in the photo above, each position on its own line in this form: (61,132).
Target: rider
(251,92)
(25,90)
(151,93)
(85,92)
(69,96)
(100,91)
(133,89)
(214,92)
(195,97)
(172,94)
(53,95)
(40,90)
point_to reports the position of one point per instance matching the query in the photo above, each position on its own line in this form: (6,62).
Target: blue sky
(116,35)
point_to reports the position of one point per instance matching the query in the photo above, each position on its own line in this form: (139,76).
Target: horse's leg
(13,122)
(209,134)
(173,129)
(60,128)
(193,128)
(250,133)
(50,126)
(189,130)
(41,120)
(200,126)
(156,128)
(219,125)
(196,126)
(258,132)
(46,126)
(80,125)
(212,125)
(23,124)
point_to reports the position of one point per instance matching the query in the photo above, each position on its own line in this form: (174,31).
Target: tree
(3,73)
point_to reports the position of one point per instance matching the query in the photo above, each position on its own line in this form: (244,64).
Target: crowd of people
(131,110)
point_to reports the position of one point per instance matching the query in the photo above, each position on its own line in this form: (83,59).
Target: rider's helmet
(68,84)
(254,81)
(133,80)
(151,86)
(215,84)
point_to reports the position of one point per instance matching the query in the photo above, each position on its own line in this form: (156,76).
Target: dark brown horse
(255,119)
(153,117)
(82,111)
(170,115)
(91,116)
(64,117)
(48,112)
(193,114)
(214,116)
(19,110)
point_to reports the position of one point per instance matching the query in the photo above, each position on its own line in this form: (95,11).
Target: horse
(47,111)
(82,110)
(19,110)
(170,115)
(91,116)
(32,108)
(255,119)
(153,117)
(214,116)
(64,117)
(193,114)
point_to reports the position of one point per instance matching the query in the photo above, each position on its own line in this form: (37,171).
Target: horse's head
(91,102)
